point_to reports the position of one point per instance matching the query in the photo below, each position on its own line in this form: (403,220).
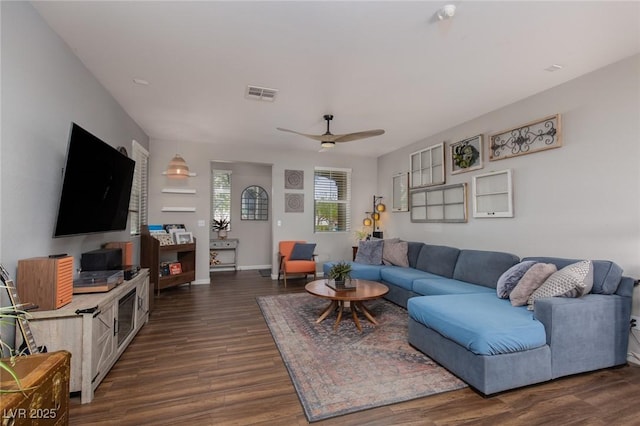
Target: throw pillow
(302,251)
(370,252)
(530,281)
(511,277)
(395,253)
(574,280)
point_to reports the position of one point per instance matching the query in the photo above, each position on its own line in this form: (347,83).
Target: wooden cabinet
(152,254)
(45,396)
(96,328)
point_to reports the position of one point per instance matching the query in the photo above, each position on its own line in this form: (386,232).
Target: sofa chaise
(458,320)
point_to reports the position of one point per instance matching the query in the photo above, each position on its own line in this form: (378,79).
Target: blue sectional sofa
(457,319)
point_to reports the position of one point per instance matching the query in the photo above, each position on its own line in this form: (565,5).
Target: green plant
(220,224)
(340,271)
(9,314)
(360,234)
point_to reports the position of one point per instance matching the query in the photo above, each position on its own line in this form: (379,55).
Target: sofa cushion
(403,277)
(531,280)
(438,286)
(413,250)
(483,267)
(574,280)
(395,253)
(481,322)
(370,252)
(358,270)
(439,260)
(508,280)
(606,274)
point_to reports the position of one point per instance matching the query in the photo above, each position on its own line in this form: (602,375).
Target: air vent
(261,93)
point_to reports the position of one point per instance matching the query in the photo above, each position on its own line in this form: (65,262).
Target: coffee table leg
(332,306)
(354,314)
(367,313)
(340,308)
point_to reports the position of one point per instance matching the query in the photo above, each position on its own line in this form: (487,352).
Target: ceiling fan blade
(358,135)
(315,137)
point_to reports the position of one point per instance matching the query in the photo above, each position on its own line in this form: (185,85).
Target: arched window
(255,204)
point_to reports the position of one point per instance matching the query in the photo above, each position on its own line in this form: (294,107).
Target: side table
(223,253)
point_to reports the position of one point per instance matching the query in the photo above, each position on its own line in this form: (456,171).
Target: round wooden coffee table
(365,290)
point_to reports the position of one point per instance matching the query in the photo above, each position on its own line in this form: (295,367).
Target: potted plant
(221,226)
(340,272)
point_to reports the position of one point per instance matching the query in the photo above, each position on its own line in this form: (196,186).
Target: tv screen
(96,187)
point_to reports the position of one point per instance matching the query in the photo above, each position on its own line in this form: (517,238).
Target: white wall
(44,88)
(581,200)
(199,156)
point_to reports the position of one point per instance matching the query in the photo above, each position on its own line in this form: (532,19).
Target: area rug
(337,372)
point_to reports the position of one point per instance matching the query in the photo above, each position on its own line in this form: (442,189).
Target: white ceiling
(387,65)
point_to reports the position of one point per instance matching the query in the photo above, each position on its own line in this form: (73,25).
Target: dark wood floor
(206,357)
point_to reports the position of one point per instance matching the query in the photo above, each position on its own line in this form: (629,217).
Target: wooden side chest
(45,399)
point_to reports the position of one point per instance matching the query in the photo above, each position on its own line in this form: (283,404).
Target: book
(344,286)
(175,268)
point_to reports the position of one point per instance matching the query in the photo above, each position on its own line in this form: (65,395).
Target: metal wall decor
(466,155)
(294,179)
(294,203)
(536,136)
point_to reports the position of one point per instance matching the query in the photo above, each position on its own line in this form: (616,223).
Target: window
(138,203)
(254,204)
(221,195)
(427,166)
(332,196)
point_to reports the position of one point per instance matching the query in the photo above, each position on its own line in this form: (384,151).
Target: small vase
(222,234)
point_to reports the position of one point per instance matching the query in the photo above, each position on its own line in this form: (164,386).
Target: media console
(96,328)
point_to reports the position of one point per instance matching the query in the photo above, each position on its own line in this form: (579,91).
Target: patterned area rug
(344,371)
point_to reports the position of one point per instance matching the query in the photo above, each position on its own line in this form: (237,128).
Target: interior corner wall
(298,226)
(581,200)
(45,87)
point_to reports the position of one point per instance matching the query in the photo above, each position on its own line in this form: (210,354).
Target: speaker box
(45,282)
(106,259)
(127,250)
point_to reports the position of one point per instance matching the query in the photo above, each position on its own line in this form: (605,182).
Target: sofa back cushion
(606,274)
(483,267)
(439,260)
(413,250)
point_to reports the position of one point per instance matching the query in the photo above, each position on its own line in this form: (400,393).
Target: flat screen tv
(96,187)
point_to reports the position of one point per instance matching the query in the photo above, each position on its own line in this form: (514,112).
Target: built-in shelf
(179,209)
(178,191)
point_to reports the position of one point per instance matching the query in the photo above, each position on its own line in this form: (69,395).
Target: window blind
(332,199)
(138,203)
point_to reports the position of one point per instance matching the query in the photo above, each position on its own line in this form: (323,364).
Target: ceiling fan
(328,139)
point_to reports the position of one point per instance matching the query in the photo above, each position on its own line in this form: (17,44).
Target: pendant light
(178,168)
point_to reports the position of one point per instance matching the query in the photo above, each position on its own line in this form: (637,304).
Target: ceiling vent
(261,93)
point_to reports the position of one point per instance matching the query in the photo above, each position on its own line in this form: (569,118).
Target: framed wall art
(294,179)
(427,166)
(466,155)
(532,137)
(401,192)
(294,203)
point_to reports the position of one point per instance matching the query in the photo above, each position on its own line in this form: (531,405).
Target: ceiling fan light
(177,168)
(327,144)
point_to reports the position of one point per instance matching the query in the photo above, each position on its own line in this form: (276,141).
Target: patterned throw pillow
(574,280)
(370,252)
(395,253)
(531,280)
(508,281)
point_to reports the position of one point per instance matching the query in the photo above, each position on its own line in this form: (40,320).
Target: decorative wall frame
(493,194)
(254,203)
(532,137)
(446,204)
(400,192)
(427,166)
(294,179)
(294,203)
(466,155)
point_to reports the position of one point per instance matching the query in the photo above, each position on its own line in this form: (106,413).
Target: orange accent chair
(294,266)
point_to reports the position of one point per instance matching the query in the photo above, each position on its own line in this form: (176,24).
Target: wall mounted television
(96,187)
